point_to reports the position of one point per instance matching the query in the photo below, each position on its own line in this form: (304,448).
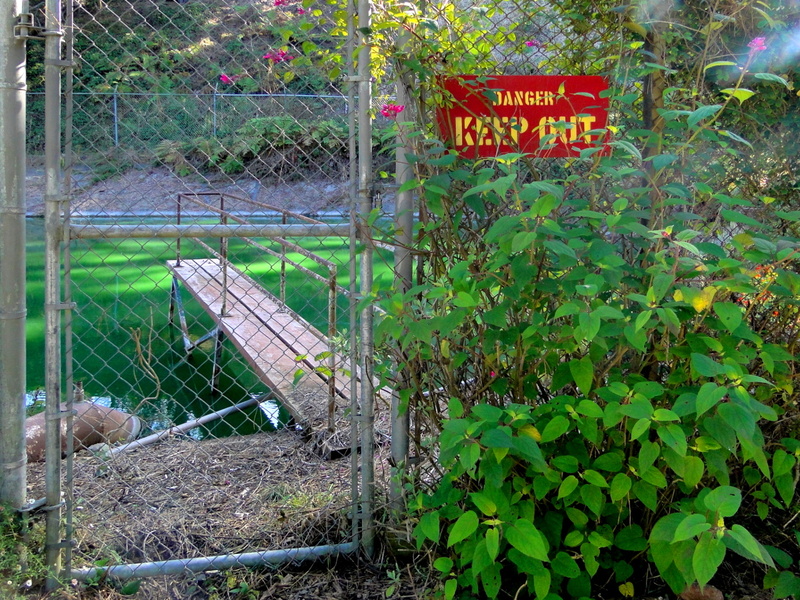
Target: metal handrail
(222,255)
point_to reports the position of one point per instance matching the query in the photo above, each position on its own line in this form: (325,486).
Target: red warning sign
(541,115)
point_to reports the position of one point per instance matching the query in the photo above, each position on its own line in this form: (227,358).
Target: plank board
(275,341)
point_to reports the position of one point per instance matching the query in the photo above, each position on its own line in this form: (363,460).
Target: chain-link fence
(210,199)
(209,282)
(139,121)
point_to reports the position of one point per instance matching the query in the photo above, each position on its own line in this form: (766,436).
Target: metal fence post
(367,342)
(12,260)
(53,306)
(403,264)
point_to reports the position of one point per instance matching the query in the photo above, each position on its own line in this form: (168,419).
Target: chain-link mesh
(227,357)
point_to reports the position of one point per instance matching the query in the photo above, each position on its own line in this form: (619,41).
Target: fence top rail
(201,94)
(268,230)
(193,197)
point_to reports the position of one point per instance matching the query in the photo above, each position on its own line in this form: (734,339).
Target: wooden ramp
(275,341)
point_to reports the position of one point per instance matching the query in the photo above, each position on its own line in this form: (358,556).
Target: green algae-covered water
(128,356)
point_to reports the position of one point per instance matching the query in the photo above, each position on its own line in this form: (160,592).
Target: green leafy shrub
(269,147)
(602,353)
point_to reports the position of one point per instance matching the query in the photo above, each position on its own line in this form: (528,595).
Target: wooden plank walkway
(275,341)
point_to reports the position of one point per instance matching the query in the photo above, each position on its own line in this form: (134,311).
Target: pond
(127,354)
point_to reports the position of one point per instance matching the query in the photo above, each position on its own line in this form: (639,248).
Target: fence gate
(206,217)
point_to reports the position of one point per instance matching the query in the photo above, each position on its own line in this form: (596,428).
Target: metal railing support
(13,458)
(52,285)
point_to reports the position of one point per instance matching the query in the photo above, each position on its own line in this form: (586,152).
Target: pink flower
(392,110)
(278,56)
(301,11)
(228,80)
(757,45)
(281,2)
(534,44)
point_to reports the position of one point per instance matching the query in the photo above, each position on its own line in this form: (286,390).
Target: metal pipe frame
(89,232)
(367,342)
(213,563)
(13,457)
(352,92)
(69,111)
(52,286)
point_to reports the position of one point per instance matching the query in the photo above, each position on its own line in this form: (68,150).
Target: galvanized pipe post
(367,342)
(12,259)
(52,286)
(403,265)
(352,146)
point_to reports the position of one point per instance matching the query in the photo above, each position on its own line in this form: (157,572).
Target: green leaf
(707,557)
(708,396)
(646,493)
(674,437)
(741,420)
(664,160)
(131,588)
(737,217)
(631,538)
(729,313)
(719,63)
(450,588)
(443,564)
(620,486)
(557,426)
(497,438)
(484,504)
(648,454)
(524,536)
(582,374)
(567,486)
(640,428)
(706,366)
(588,408)
(752,549)
(429,526)
(741,94)
(691,526)
(693,469)
(563,564)
(491,580)
(703,113)
(639,408)
(595,478)
(492,542)
(541,584)
(724,500)
(772,77)
(464,527)
(590,553)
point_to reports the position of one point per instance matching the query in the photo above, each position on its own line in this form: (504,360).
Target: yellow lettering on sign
(489,131)
(566,129)
(525,98)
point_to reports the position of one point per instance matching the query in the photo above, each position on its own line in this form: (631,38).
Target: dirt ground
(153,191)
(183,498)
